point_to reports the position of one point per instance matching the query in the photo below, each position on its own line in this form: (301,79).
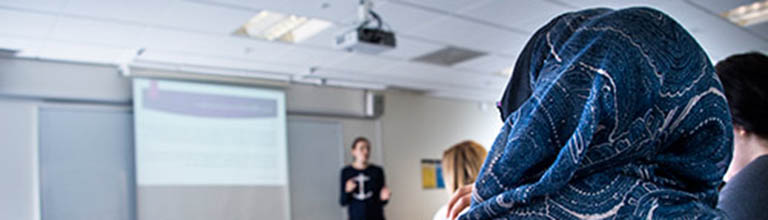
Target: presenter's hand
(459,201)
(350,186)
(385,193)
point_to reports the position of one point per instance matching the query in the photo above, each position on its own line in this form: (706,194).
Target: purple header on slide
(208,105)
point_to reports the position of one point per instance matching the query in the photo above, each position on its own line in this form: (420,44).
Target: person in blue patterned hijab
(620,116)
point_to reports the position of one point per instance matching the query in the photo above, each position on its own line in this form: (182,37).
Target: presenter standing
(362,185)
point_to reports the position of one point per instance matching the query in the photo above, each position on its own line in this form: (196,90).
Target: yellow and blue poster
(431,174)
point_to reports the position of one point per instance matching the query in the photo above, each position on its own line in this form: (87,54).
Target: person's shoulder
(375,167)
(752,175)
(347,168)
(441,213)
(743,195)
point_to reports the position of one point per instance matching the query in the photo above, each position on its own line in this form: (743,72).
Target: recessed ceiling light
(747,15)
(272,26)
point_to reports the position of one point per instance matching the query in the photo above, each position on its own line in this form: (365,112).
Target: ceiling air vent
(449,56)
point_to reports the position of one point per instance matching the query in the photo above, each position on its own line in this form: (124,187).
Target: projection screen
(207,151)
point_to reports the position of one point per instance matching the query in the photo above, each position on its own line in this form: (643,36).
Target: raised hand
(385,194)
(350,186)
(459,201)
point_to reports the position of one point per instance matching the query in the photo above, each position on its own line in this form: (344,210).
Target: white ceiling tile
(122,10)
(245,48)
(79,52)
(463,33)
(441,5)
(260,49)
(254,5)
(488,64)
(340,11)
(519,14)
(362,63)
(193,42)
(326,38)
(446,75)
(201,17)
(25,24)
(760,29)
(98,32)
(311,57)
(231,63)
(407,48)
(41,5)
(402,18)
(18,43)
(413,70)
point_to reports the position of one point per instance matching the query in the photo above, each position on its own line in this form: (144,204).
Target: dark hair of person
(359,139)
(745,81)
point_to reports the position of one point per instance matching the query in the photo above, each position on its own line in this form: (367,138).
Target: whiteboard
(86,164)
(316,157)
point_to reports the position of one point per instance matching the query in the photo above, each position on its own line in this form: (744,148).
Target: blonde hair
(461,164)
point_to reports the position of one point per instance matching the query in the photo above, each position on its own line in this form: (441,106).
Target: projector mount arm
(365,13)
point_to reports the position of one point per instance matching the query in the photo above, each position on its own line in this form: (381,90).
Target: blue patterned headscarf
(623,118)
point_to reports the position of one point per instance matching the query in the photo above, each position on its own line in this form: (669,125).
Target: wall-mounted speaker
(374,104)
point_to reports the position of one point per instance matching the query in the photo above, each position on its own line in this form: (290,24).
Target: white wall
(18,161)
(415,127)
(57,80)
(308,98)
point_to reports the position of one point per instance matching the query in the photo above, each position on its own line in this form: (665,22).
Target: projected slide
(198,142)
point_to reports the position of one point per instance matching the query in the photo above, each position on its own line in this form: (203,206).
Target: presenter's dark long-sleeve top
(363,203)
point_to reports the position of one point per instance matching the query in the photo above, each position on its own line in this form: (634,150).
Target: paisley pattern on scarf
(626,119)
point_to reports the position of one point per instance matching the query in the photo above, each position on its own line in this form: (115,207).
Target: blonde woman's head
(461,163)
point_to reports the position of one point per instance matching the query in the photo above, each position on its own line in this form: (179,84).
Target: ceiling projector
(364,39)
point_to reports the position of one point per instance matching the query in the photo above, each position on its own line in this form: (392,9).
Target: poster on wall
(431,174)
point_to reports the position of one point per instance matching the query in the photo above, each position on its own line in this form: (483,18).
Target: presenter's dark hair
(359,139)
(745,81)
